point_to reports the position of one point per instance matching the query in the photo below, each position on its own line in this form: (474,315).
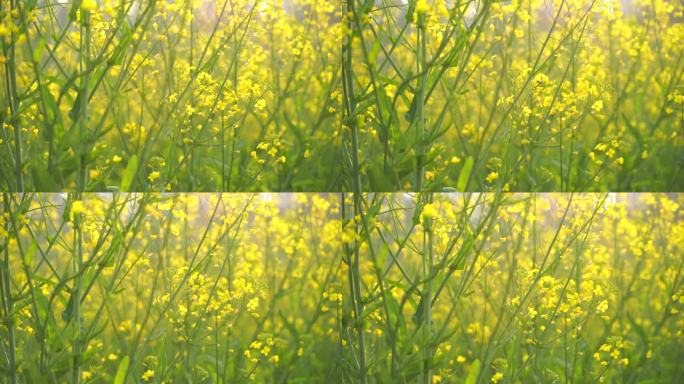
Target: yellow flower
(460,359)
(88,5)
(260,105)
(492,176)
(253,304)
(602,307)
(77,207)
(429,175)
(152,177)
(390,90)
(429,211)
(497,377)
(148,375)
(422,6)
(597,106)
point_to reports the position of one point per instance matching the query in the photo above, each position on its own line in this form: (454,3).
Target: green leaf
(379,180)
(129,174)
(464,176)
(75,7)
(374,210)
(387,109)
(76,108)
(473,373)
(68,312)
(415,219)
(44,181)
(121,371)
(53,118)
(459,261)
(411,10)
(374,51)
(38,50)
(420,311)
(411,114)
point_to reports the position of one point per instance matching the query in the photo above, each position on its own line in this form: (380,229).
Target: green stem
(354,274)
(11,84)
(350,107)
(6,287)
(83,107)
(76,296)
(421,60)
(427,295)
(356,299)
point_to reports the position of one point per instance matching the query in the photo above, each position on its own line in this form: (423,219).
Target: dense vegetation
(179,288)
(185,95)
(497,288)
(521,95)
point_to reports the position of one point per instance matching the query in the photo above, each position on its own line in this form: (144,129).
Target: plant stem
(350,105)
(83,107)
(11,84)
(354,273)
(421,60)
(427,295)
(6,288)
(76,296)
